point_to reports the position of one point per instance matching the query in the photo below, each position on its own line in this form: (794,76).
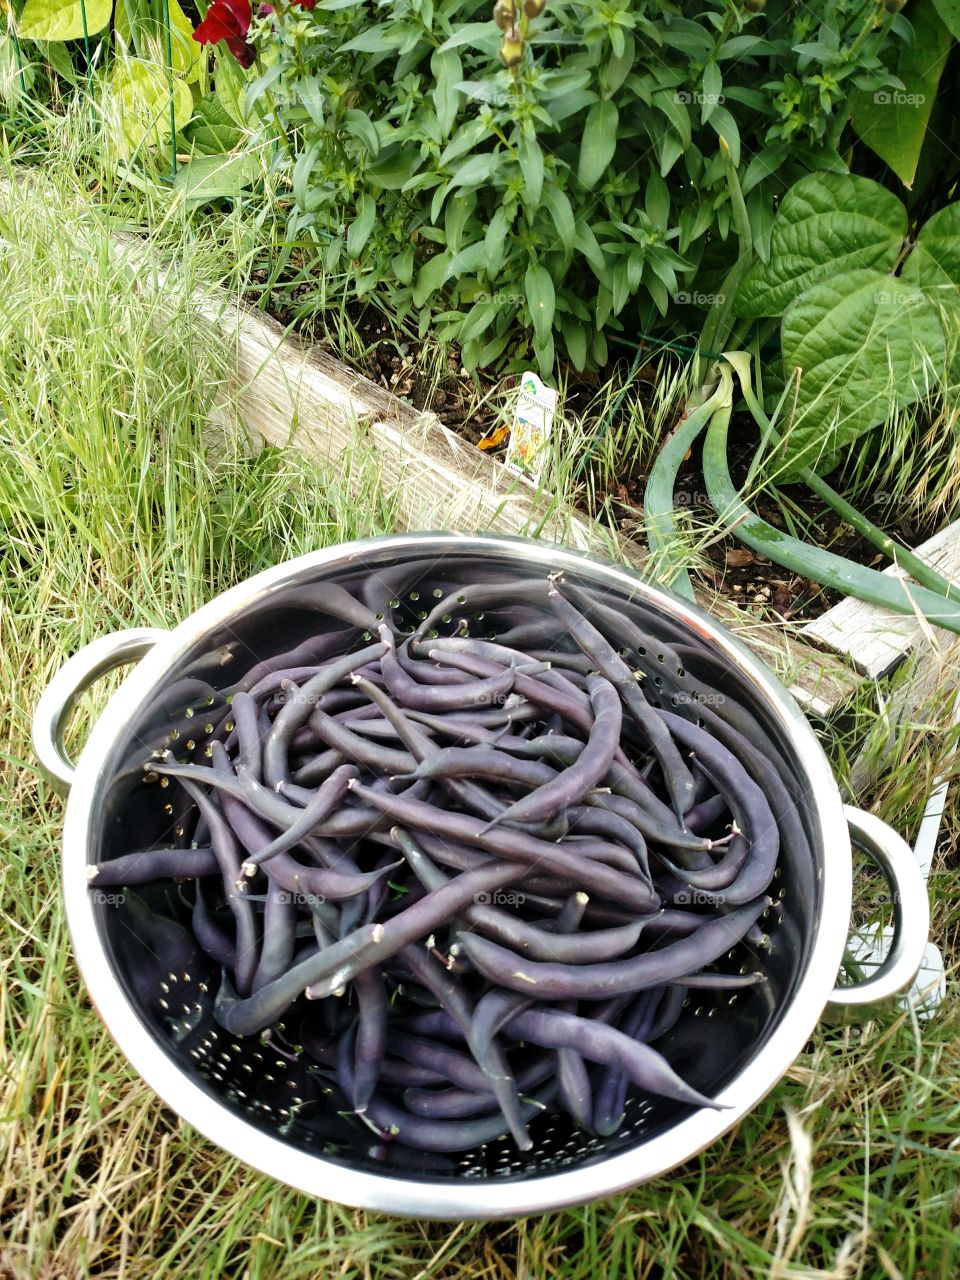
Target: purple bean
(214,939)
(491,689)
(324,801)
(752,815)
(302,702)
(598,649)
(460,1104)
(431,1135)
(513,844)
(371,1037)
(358,749)
(153,864)
(279,936)
(228,858)
(600,1043)
(596,981)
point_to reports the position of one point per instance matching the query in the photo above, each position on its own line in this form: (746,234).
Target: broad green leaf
(140,94)
(62,19)
(934,264)
(893,122)
(531,166)
(561,211)
(828,224)
(657,201)
(934,267)
(476,169)
(448,71)
(948,12)
(495,240)
(471,259)
(430,277)
(866,344)
(726,127)
(575,340)
(187,58)
(403,265)
(541,300)
(599,142)
(362,225)
(359,125)
(230,86)
(394,166)
(379,39)
(712,91)
(216,177)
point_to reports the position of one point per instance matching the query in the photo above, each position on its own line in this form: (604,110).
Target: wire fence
(30,73)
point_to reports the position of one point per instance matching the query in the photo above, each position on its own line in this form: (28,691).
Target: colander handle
(911,912)
(60,695)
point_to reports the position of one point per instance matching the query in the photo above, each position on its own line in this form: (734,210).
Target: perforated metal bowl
(266,1102)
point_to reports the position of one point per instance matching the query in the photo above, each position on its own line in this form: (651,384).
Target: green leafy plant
(868,314)
(579,192)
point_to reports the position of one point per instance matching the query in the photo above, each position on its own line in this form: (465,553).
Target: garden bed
(293,393)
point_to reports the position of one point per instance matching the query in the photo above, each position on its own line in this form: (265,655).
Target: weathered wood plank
(875,639)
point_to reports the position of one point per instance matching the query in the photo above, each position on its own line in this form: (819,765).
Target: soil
(748,579)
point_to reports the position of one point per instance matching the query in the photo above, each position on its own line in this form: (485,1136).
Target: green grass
(112,513)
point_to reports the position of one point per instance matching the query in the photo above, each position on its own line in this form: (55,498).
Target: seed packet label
(531,428)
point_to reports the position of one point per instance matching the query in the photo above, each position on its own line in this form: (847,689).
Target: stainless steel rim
(318,1176)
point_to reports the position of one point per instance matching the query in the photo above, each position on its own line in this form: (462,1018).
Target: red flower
(229,21)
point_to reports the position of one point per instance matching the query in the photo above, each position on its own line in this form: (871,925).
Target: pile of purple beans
(482,874)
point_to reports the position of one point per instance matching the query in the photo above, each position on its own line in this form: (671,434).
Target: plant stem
(658,505)
(902,556)
(810,562)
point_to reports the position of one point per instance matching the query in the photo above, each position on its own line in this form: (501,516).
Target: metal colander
(263,1097)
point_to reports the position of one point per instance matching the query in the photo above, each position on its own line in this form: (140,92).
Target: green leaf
(866,344)
(575,340)
(495,240)
(948,12)
(723,122)
(430,277)
(893,122)
(934,264)
(359,125)
(403,265)
(541,300)
(216,177)
(934,267)
(362,225)
(448,71)
(828,224)
(62,19)
(561,212)
(476,170)
(139,109)
(394,167)
(599,142)
(531,166)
